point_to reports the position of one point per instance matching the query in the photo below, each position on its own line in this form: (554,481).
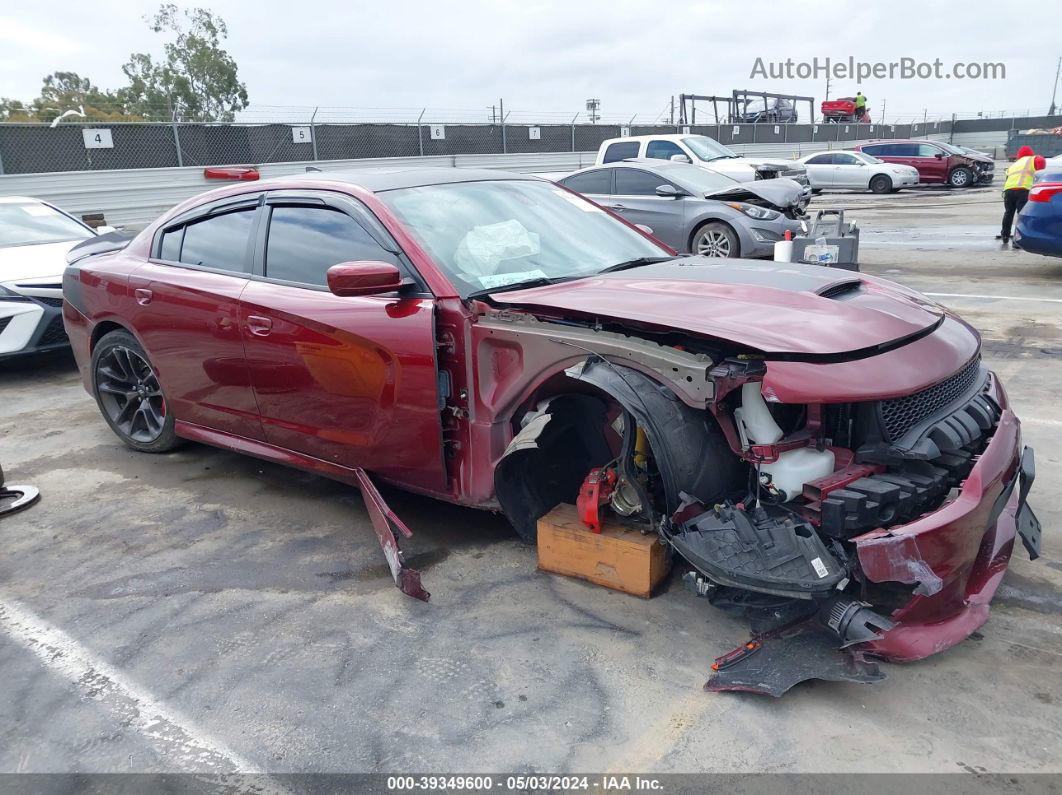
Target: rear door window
(620,151)
(219,241)
(598,181)
(635,182)
(820,160)
(304,242)
(663,150)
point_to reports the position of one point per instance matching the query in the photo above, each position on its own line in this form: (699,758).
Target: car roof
(395,177)
(20,200)
(661,137)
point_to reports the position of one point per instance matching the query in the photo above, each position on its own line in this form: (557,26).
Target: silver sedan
(693,209)
(857,171)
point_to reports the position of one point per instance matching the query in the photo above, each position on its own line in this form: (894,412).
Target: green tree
(195,78)
(63,91)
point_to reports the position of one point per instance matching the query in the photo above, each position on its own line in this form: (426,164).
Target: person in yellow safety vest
(1020,178)
(861,105)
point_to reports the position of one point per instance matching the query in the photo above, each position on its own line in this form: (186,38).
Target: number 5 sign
(97,138)
(301,135)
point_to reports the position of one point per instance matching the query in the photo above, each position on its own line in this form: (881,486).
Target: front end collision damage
(942,512)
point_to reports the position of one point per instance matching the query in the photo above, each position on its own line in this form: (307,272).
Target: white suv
(704,152)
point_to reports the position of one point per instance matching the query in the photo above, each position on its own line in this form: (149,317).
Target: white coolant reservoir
(793,468)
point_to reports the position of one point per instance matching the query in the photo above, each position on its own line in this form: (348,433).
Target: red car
(937,163)
(806,437)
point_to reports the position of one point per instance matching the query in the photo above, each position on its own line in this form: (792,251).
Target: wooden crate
(618,557)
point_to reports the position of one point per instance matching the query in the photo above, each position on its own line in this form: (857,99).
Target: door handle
(618,207)
(259,325)
(142,295)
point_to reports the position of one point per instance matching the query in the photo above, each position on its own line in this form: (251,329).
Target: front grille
(56,302)
(3,323)
(900,415)
(55,333)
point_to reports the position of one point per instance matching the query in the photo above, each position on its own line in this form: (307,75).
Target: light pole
(1054,89)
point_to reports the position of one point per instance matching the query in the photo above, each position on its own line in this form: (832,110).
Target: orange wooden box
(618,557)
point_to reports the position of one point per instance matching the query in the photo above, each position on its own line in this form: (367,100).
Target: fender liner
(690,450)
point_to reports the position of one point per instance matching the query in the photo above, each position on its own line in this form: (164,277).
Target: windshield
(30,223)
(707,148)
(493,234)
(865,157)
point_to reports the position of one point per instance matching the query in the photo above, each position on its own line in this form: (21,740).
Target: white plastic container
(793,468)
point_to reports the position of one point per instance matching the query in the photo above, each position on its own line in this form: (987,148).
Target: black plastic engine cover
(778,554)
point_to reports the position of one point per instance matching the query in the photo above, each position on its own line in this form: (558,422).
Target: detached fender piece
(15,498)
(407,580)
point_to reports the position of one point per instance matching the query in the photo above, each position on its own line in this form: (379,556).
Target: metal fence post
(501,112)
(313,135)
(576,116)
(420,132)
(177,144)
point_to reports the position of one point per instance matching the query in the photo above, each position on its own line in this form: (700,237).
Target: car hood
(780,192)
(34,263)
(774,308)
(745,168)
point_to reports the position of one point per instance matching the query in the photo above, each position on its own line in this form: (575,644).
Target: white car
(700,150)
(34,239)
(857,171)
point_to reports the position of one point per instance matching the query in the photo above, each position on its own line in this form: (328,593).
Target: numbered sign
(686,130)
(814,128)
(737,130)
(872,128)
(97,138)
(846,128)
(534,133)
(777,129)
(625,132)
(438,132)
(301,135)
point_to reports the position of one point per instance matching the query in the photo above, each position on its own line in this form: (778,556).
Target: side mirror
(680,159)
(669,192)
(363,278)
(939,155)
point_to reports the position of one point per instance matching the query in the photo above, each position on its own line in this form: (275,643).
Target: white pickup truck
(701,151)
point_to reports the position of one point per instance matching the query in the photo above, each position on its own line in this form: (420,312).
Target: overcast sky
(546,57)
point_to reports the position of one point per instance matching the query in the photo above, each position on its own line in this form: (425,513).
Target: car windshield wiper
(634,263)
(540,281)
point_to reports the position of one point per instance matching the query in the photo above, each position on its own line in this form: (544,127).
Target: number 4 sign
(97,138)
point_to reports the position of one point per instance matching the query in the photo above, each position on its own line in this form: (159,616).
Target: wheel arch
(704,220)
(532,476)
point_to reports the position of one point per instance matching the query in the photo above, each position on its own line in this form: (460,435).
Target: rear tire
(880,183)
(961,177)
(716,239)
(129,394)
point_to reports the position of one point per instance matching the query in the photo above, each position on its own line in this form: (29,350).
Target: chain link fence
(38,148)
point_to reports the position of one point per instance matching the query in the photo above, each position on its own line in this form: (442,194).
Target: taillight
(1045,191)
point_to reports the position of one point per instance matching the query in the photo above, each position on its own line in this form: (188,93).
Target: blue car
(1039,227)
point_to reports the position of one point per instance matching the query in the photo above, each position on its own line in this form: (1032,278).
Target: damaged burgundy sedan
(825,450)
